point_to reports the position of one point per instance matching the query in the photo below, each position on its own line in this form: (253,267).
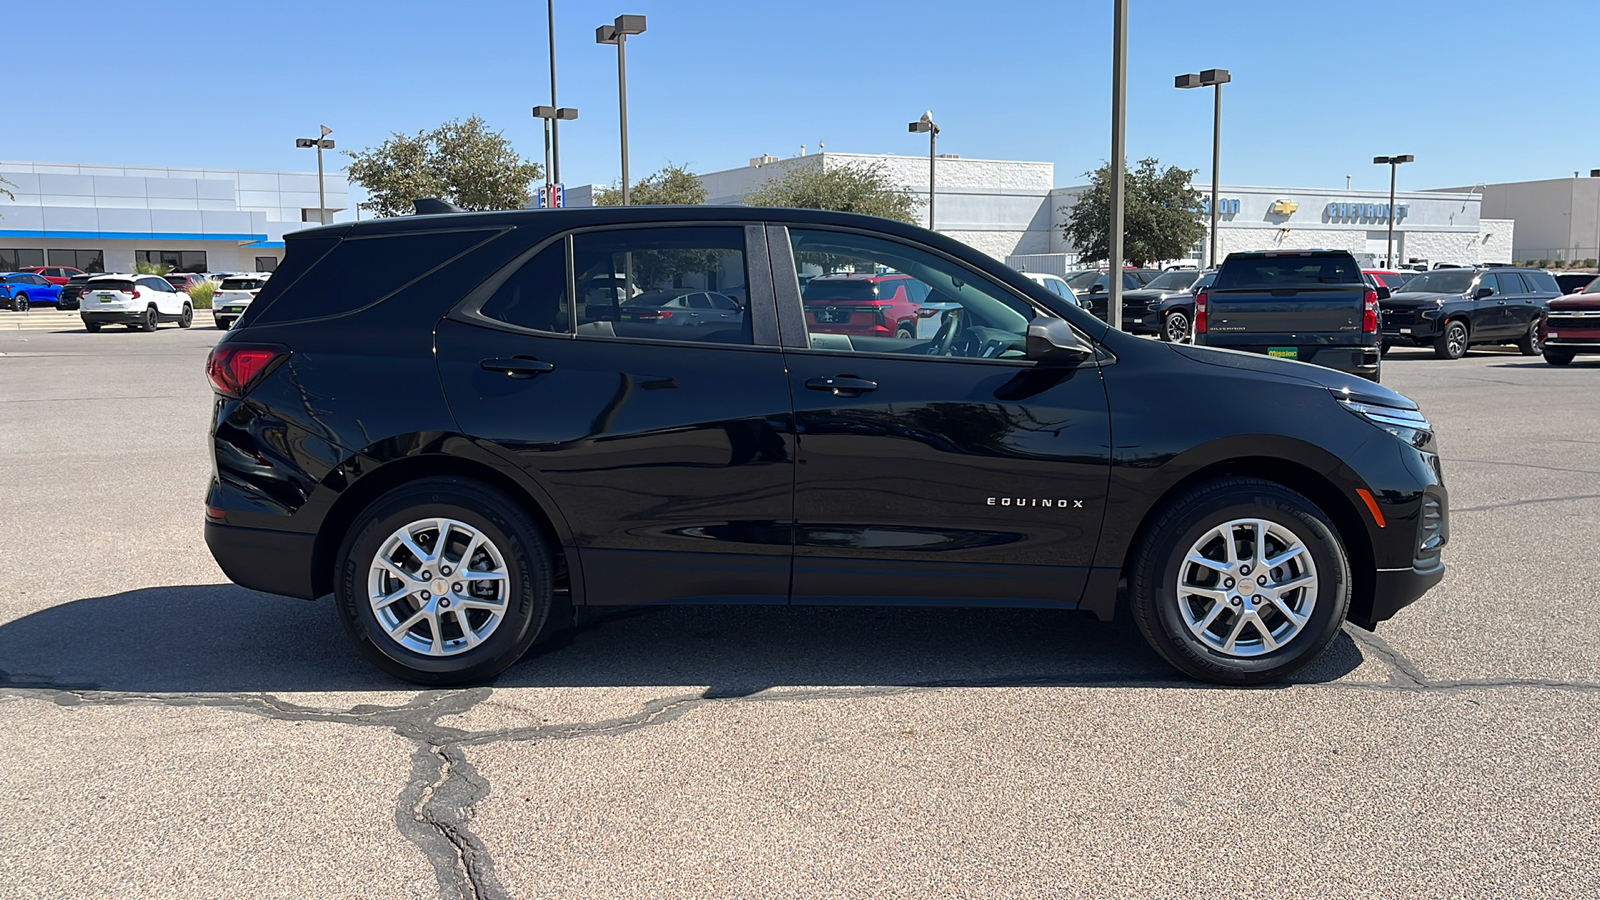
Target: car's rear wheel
(149,321)
(91,327)
(1383,348)
(904,333)
(1529,344)
(224,323)
(187,319)
(1557,357)
(444,581)
(20,303)
(1175,328)
(1452,342)
(1240,581)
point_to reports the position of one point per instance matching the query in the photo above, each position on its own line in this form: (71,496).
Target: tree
(1161,214)
(674,184)
(460,161)
(853,188)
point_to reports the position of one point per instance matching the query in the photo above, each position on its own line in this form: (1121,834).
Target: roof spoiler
(433,206)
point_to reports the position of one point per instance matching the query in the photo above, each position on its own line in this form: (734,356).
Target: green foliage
(674,184)
(1541,263)
(1591,262)
(144,268)
(200,295)
(460,161)
(850,187)
(1558,264)
(1162,217)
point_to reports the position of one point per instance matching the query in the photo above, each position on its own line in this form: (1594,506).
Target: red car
(183,281)
(54,274)
(1572,326)
(881,305)
(1389,279)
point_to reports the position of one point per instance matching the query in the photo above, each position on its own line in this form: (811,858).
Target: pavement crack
(1402,670)
(433,812)
(1488,506)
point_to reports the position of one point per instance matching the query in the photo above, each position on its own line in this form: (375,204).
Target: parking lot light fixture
(551,115)
(617,33)
(1394,163)
(925,124)
(320,143)
(1212,78)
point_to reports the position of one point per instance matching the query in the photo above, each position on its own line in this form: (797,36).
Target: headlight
(1408,425)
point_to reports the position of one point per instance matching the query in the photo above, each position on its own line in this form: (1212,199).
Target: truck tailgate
(1331,310)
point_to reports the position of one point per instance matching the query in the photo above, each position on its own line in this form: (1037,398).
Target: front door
(943,467)
(665,444)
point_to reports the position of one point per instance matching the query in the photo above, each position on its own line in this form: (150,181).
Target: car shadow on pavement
(225,639)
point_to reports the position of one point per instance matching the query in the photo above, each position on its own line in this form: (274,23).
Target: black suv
(453,424)
(1454,309)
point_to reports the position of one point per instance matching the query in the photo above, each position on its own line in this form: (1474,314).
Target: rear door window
(613,269)
(535,296)
(1511,283)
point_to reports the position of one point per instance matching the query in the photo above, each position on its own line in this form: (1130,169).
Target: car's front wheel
(1557,357)
(1240,581)
(444,581)
(1452,342)
(1175,329)
(1529,344)
(187,319)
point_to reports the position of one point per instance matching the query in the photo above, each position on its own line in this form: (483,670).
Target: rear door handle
(518,366)
(842,385)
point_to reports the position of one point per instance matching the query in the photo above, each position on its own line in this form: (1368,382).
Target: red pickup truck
(1572,325)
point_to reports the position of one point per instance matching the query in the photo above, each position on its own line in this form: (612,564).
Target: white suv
(140,302)
(233,296)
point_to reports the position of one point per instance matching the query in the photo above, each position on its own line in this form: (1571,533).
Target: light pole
(551,115)
(617,33)
(925,124)
(1393,163)
(555,130)
(321,144)
(1212,78)
(1119,150)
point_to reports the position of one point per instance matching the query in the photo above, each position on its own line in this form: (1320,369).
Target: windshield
(1444,281)
(1081,281)
(658,299)
(1593,288)
(1173,281)
(243,284)
(819,290)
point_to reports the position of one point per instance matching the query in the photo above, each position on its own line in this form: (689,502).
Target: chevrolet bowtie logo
(1284,208)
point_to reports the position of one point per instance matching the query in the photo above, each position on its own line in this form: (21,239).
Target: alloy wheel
(438,587)
(1177,327)
(1456,338)
(1247,587)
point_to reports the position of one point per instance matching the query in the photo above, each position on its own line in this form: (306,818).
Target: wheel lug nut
(444,570)
(1227,582)
(456,587)
(426,574)
(444,602)
(1262,580)
(1234,601)
(1244,570)
(426,595)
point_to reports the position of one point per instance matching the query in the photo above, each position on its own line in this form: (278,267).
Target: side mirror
(1054,342)
(1384,293)
(1482,293)
(1097,288)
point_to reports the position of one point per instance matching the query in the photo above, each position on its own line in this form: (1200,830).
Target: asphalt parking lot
(168,734)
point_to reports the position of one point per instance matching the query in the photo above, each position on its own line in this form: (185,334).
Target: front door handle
(842,385)
(518,366)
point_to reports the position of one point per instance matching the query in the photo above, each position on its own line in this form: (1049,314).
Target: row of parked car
(138,301)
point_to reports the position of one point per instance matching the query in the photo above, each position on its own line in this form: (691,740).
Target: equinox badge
(1033,501)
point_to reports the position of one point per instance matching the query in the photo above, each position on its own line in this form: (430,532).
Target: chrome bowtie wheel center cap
(441,587)
(1247,588)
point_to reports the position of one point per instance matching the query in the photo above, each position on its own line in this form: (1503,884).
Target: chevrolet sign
(1284,208)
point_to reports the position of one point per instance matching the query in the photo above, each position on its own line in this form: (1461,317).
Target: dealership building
(1013,211)
(1558,219)
(107,218)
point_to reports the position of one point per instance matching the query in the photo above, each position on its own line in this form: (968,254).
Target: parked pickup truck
(1309,305)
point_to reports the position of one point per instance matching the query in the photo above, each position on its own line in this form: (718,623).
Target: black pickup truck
(1309,305)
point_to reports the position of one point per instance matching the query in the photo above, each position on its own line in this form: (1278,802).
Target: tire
(187,319)
(1529,344)
(1175,327)
(91,327)
(1383,349)
(1453,341)
(904,332)
(150,321)
(224,324)
(1195,519)
(519,554)
(1558,357)
(19,303)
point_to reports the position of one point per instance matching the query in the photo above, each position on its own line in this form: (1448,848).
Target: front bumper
(275,562)
(1395,590)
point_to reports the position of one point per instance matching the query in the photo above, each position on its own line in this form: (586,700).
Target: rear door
(943,468)
(1519,303)
(667,450)
(1488,317)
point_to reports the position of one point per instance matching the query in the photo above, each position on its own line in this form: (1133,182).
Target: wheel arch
(387,476)
(1338,505)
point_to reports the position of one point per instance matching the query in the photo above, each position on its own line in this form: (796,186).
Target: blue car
(19,290)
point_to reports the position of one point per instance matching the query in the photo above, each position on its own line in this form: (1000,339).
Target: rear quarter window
(1544,282)
(356,273)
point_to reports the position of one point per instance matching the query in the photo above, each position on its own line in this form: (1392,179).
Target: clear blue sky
(1319,87)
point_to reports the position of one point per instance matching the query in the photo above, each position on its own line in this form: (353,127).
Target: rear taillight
(135,293)
(1369,316)
(1200,301)
(651,314)
(236,368)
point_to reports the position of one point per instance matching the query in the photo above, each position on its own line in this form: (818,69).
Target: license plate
(108,298)
(832,315)
(1552,335)
(1284,352)
(1405,331)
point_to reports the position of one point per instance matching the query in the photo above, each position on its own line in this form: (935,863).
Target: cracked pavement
(167,734)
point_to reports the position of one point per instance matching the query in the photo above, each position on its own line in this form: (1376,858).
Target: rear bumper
(275,562)
(1353,358)
(113,317)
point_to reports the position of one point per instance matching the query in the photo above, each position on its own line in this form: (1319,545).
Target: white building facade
(1558,219)
(107,218)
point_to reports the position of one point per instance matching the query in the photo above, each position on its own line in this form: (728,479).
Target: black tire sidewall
(520,543)
(1556,358)
(1155,603)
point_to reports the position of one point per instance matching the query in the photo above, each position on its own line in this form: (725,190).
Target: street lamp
(551,115)
(321,144)
(617,33)
(1212,78)
(925,124)
(1393,163)
(1119,158)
